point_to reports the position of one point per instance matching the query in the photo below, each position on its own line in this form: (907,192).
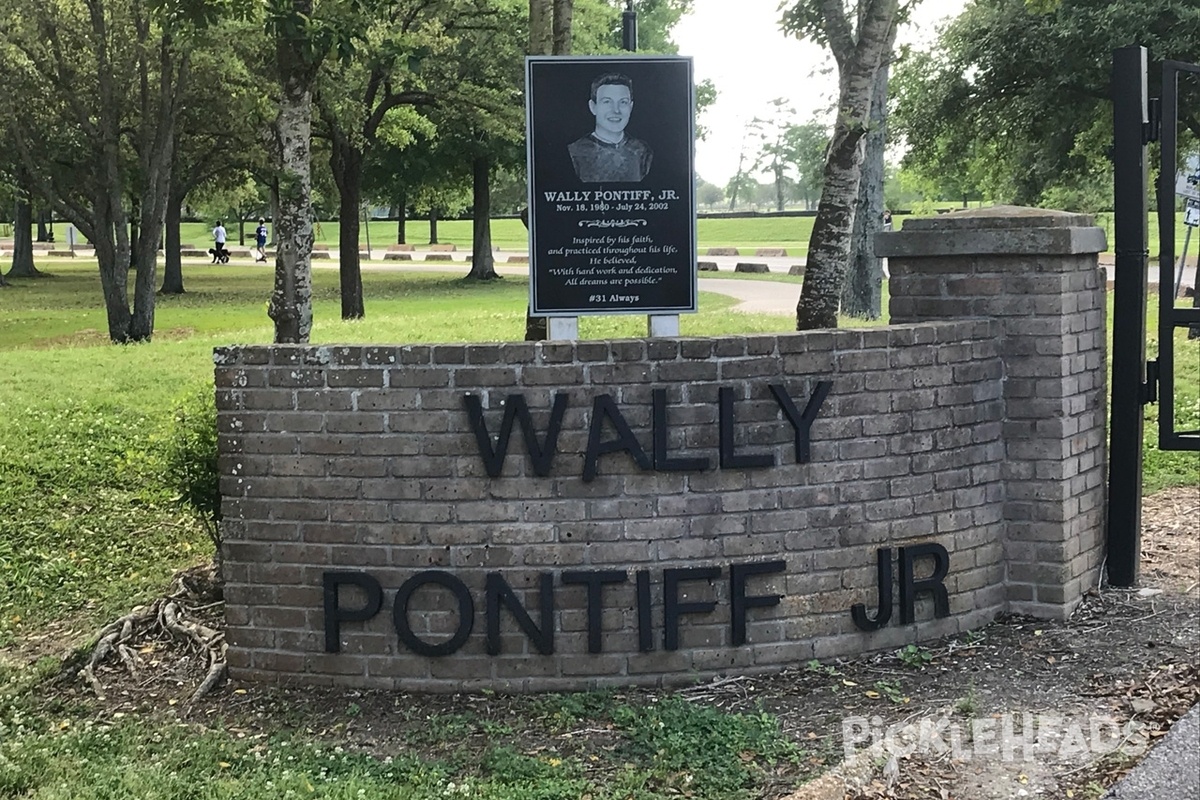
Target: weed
(702,751)
(563,712)
(891,690)
(828,670)
(914,656)
(968,704)
(975,637)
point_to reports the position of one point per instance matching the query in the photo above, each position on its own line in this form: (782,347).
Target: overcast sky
(740,48)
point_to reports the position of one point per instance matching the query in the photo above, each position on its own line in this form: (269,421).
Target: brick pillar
(1037,273)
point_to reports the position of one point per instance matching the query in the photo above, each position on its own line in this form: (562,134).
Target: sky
(740,48)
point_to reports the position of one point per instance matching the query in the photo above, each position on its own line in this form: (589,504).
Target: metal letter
(335,615)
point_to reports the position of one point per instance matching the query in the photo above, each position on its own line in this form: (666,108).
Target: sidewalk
(755,296)
(1171,771)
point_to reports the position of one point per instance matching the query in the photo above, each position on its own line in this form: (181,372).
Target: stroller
(219,255)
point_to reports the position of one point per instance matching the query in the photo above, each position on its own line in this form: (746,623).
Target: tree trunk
(112,220)
(273,239)
(22,257)
(483,265)
(541,27)
(346,162)
(778,186)
(401,218)
(44,233)
(112,253)
(160,110)
(172,260)
(862,293)
(291,300)
(829,245)
(564,13)
(433,218)
(550,27)
(134,233)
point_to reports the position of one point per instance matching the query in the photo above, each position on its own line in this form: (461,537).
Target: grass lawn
(90,526)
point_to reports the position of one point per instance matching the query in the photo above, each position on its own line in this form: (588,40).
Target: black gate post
(1130,120)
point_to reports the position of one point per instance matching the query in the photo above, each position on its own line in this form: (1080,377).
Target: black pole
(1130,210)
(629,28)
(1166,255)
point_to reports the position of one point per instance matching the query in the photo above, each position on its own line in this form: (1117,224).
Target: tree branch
(838,30)
(392,100)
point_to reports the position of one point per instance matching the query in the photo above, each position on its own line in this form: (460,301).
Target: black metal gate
(1138,120)
(1173,183)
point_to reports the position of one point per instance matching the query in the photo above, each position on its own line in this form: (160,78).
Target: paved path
(1172,769)
(755,296)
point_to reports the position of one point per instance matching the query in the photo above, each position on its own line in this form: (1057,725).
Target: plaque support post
(662,325)
(563,328)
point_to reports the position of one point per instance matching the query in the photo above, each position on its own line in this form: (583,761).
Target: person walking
(260,241)
(219,252)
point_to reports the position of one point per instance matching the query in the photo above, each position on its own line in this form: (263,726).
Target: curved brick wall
(363,460)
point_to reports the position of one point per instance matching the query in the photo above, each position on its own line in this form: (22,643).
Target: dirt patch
(1171,539)
(1020,708)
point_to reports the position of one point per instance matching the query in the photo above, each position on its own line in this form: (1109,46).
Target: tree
(480,120)
(806,145)
(550,23)
(223,132)
(1016,98)
(741,183)
(858,51)
(398,40)
(401,161)
(22,255)
(773,155)
(655,20)
(109,75)
(708,194)
(300,46)
(862,289)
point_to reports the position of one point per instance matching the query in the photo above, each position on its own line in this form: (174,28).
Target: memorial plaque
(612,223)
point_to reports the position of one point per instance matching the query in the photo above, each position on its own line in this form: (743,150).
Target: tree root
(168,614)
(112,637)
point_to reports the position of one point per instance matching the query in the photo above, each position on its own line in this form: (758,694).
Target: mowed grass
(1164,468)
(668,749)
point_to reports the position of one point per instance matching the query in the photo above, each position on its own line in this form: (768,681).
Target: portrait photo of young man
(608,154)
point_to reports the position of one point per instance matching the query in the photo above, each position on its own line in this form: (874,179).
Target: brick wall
(354,480)
(1036,273)
(363,459)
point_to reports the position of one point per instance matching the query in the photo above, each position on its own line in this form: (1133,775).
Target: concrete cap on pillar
(993,230)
